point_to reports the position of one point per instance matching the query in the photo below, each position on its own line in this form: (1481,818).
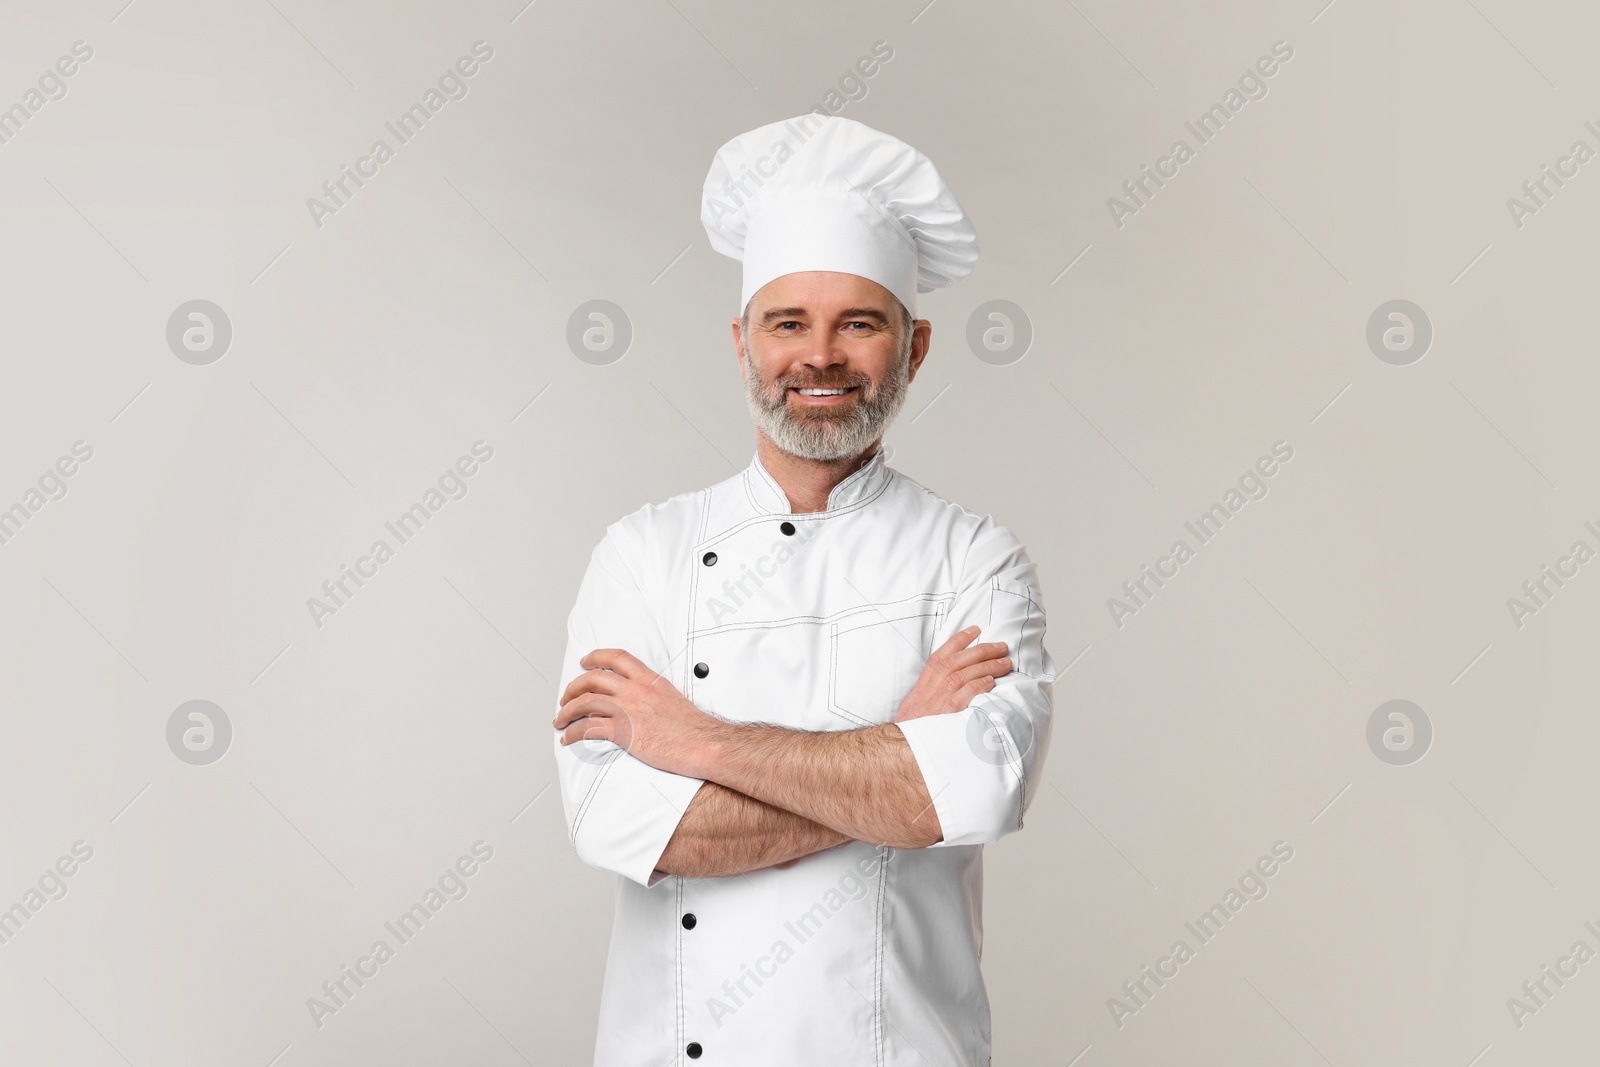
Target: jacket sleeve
(983,766)
(620,812)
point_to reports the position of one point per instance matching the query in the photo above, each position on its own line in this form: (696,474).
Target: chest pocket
(876,655)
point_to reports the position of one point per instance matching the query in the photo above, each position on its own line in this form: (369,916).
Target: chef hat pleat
(820,192)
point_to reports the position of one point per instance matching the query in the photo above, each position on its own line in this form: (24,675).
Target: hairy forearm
(862,783)
(724,832)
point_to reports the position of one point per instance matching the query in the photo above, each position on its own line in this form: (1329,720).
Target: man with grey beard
(818,434)
(777,722)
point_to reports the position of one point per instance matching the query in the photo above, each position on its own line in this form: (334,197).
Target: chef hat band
(826,231)
(824,193)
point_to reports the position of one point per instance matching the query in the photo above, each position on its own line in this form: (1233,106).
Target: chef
(797,704)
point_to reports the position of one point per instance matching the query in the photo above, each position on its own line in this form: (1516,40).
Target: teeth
(822,392)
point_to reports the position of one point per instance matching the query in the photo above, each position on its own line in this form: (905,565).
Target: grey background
(368,354)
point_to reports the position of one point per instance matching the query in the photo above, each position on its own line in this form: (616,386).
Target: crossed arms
(773,795)
(694,795)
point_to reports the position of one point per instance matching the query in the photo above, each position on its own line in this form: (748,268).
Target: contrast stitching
(1031,606)
(943,612)
(1017,649)
(1011,751)
(705,510)
(833,681)
(934,614)
(687,677)
(1022,796)
(1013,761)
(678,1054)
(753,471)
(1022,627)
(594,787)
(749,491)
(860,475)
(833,693)
(877,977)
(915,600)
(803,516)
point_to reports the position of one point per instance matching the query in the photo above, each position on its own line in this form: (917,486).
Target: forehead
(819,292)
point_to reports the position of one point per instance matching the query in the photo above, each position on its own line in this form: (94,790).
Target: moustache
(801,381)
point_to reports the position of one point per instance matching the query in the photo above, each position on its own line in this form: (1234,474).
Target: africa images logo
(452,485)
(1252,85)
(1251,886)
(452,85)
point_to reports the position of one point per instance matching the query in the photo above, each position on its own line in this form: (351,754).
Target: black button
(689,921)
(709,559)
(693,1050)
(701,670)
(787,528)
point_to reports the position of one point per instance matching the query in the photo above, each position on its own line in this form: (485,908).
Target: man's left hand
(621,700)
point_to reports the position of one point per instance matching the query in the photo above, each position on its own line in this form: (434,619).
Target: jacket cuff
(627,817)
(972,773)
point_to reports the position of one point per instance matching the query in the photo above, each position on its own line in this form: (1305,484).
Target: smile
(823,395)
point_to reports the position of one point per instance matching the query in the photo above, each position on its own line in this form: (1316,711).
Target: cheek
(879,365)
(779,363)
(767,371)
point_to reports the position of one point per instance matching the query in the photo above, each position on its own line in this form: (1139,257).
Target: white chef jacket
(861,955)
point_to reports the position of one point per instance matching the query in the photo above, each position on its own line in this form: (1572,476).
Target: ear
(921,338)
(738,350)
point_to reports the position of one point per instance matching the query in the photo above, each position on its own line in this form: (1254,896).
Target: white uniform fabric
(859,956)
(820,192)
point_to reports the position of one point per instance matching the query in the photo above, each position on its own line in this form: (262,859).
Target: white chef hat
(820,192)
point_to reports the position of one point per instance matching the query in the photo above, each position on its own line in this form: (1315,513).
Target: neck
(808,482)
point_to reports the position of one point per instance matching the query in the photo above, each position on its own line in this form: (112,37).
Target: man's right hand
(954,675)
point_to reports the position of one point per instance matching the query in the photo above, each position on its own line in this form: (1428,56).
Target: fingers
(620,660)
(957,672)
(970,692)
(989,651)
(594,681)
(587,730)
(958,640)
(584,705)
(966,685)
(990,669)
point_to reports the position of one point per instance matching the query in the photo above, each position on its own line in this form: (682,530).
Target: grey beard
(826,437)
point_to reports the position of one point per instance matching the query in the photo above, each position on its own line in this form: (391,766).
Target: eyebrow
(874,314)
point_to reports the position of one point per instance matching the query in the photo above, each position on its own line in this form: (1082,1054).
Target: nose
(823,350)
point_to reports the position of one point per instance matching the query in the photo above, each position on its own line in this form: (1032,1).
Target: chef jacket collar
(862,485)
